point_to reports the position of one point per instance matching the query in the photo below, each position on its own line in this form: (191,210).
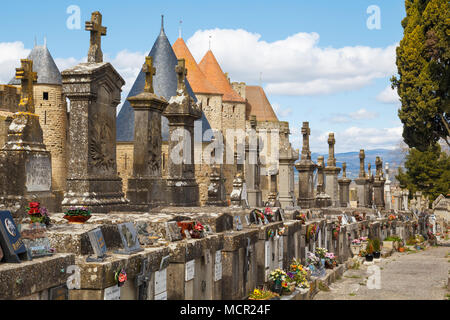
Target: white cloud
(388,95)
(10,55)
(361,114)
(280,111)
(295,65)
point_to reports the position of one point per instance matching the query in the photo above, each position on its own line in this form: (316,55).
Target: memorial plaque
(267,254)
(14,249)
(35,241)
(38,173)
(218,266)
(190,270)
(112,293)
(59,293)
(160,281)
(129,238)
(173,231)
(98,244)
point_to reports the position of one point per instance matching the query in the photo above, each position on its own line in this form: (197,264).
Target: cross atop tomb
(362,156)
(28,77)
(149,71)
(344,170)
(181,71)
(306,131)
(331,142)
(95,54)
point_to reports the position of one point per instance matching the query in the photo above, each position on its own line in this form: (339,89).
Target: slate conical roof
(211,69)
(164,84)
(258,104)
(195,76)
(44,65)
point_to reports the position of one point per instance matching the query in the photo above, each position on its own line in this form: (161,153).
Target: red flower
(122,277)
(34,204)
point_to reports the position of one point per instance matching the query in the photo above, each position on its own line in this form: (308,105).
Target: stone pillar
(182,188)
(273,194)
(362,186)
(387,189)
(286,173)
(419,200)
(145,187)
(370,180)
(405,194)
(398,200)
(306,168)
(322,199)
(344,187)
(93,89)
(331,174)
(25,163)
(252,166)
(378,185)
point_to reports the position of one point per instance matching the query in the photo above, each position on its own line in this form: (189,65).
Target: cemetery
(171,230)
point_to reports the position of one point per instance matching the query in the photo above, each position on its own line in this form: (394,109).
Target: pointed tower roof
(258,105)
(164,84)
(196,78)
(211,69)
(44,65)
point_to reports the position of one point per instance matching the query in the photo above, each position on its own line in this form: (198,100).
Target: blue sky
(336,32)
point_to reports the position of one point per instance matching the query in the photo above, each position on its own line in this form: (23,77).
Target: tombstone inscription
(14,249)
(129,238)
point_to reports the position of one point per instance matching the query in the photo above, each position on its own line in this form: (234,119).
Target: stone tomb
(192,270)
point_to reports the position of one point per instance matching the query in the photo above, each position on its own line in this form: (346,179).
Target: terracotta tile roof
(195,76)
(258,105)
(211,69)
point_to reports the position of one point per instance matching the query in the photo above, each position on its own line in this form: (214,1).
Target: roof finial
(162,22)
(210,42)
(35,41)
(179,30)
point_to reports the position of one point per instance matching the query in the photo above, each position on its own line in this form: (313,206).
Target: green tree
(423,63)
(427,171)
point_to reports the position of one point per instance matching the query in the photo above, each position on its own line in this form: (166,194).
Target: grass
(447,296)
(352,294)
(353,277)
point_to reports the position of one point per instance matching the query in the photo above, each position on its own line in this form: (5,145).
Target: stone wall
(125,162)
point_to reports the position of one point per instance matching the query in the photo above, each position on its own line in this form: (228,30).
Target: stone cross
(306,131)
(362,156)
(95,54)
(344,170)
(142,280)
(320,180)
(28,77)
(149,71)
(379,167)
(181,71)
(331,159)
(369,170)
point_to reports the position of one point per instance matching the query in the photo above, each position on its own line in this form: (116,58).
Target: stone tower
(51,107)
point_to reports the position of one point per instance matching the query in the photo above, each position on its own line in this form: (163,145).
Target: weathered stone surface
(30,277)
(306,168)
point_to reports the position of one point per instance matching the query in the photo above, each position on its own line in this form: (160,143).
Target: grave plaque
(129,238)
(14,249)
(218,266)
(35,240)
(98,244)
(187,234)
(112,293)
(161,296)
(238,223)
(267,254)
(207,256)
(173,231)
(38,170)
(160,282)
(190,270)
(59,293)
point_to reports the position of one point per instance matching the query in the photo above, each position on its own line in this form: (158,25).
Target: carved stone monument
(93,89)
(288,156)
(273,194)
(306,168)
(323,200)
(252,166)
(216,188)
(344,187)
(331,173)
(25,164)
(370,180)
(145,187)
(362,186)
(182,188)
(378,185)
(387,190)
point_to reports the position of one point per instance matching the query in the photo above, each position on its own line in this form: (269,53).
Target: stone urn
(355,249)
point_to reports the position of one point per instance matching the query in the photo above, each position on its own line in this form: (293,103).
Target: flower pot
(369,257)
(277,286)
(377,254)
(355,249)
(77,219)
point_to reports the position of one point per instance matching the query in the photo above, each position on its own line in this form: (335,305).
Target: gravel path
(419,275)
